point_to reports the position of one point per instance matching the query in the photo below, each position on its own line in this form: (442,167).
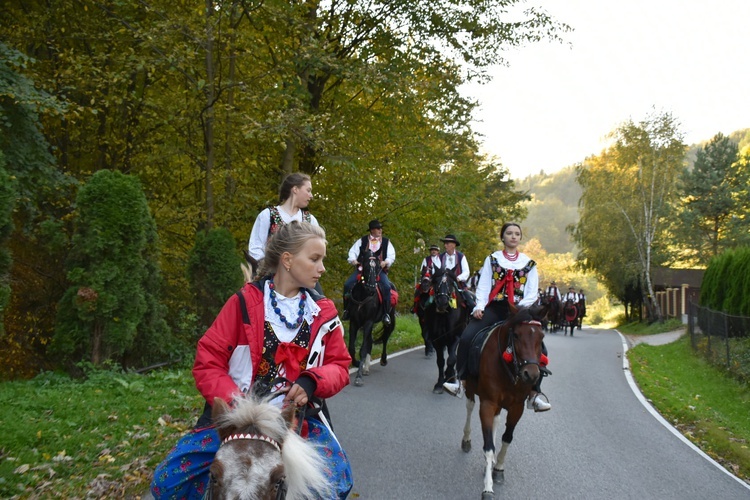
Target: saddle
(476,347)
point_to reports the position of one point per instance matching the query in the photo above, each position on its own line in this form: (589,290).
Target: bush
(114,276)
(214,272)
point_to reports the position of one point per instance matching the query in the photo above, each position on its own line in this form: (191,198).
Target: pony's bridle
(281,487)
(517,364)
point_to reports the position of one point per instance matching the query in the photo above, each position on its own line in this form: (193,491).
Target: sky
(555,103)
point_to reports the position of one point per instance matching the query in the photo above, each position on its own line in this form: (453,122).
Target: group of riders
(279,331)
(572,301)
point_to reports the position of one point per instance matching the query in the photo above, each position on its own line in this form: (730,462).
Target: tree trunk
(96,343)
(208,120)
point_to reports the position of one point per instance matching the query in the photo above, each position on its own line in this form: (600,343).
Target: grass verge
(707,405)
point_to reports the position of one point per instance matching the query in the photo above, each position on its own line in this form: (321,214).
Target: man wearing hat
(552,292)
(453,260)
(572,295)
(429,263)
(432,260)
(383,250)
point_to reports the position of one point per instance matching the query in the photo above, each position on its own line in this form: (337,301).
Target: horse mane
(523,314)
(304,465)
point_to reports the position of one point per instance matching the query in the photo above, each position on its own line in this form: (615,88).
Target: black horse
(423,303)
(555,315)
(581,312)
(570,317)
(365,310)
(447,320)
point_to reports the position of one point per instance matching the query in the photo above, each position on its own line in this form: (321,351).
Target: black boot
(386,318)
(345,316)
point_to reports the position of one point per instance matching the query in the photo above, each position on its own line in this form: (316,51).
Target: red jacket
(229,353)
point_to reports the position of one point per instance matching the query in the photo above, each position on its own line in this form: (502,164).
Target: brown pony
(509,367)
(262,457)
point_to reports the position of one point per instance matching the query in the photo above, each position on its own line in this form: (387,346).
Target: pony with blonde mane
(262,457)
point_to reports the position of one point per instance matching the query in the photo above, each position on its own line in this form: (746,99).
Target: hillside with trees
(704,213)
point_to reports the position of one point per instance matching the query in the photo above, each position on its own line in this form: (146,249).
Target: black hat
(449,238)
(375,224)
(434,247)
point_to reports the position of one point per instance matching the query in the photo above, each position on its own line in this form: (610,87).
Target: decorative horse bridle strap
(255,437)
(511,348)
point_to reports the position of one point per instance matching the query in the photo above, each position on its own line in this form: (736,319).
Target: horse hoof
(355,363)
(488,495)
(438,389)
(466,446)
(358,381)
(383,362)
(498,476)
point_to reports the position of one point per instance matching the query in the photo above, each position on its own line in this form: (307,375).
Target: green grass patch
(706,404)
(643,328)
(65,438)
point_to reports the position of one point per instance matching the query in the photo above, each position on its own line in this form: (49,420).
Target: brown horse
(509,367)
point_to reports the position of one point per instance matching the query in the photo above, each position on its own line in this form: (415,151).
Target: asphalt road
(597,442)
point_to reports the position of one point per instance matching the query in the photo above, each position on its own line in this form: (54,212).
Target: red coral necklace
(511,258)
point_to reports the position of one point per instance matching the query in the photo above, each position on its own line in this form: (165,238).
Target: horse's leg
(387,331)
(498,469)
(466,440)
(440,359)
(366,349)
(353,327)
(450,371)
(487,411)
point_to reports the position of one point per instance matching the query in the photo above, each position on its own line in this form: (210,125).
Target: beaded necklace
(511,258)
(275,304)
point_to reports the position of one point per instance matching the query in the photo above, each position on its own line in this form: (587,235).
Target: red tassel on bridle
(508,355)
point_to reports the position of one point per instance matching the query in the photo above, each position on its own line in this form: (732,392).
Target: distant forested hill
(553,206)
(554,200)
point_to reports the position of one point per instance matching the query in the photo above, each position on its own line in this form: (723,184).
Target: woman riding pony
(275,336)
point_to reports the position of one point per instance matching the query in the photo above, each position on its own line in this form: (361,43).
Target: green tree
(709,197)
(7,202)
(633,183)
(100,314)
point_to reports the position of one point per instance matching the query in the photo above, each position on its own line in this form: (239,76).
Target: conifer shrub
(214,272)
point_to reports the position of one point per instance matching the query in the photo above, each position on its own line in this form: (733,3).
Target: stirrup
(454,388)
(539,402)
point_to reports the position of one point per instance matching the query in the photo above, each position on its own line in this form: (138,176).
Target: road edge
(638,394)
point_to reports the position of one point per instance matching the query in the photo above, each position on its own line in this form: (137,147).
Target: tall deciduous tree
(636,181)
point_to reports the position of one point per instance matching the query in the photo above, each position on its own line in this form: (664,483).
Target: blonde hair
(289,238)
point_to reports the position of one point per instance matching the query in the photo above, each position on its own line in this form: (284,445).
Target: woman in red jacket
(277,328)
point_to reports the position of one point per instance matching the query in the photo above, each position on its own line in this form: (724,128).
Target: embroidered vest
(277,221)
(519,280)
(382,252)
(459,259)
